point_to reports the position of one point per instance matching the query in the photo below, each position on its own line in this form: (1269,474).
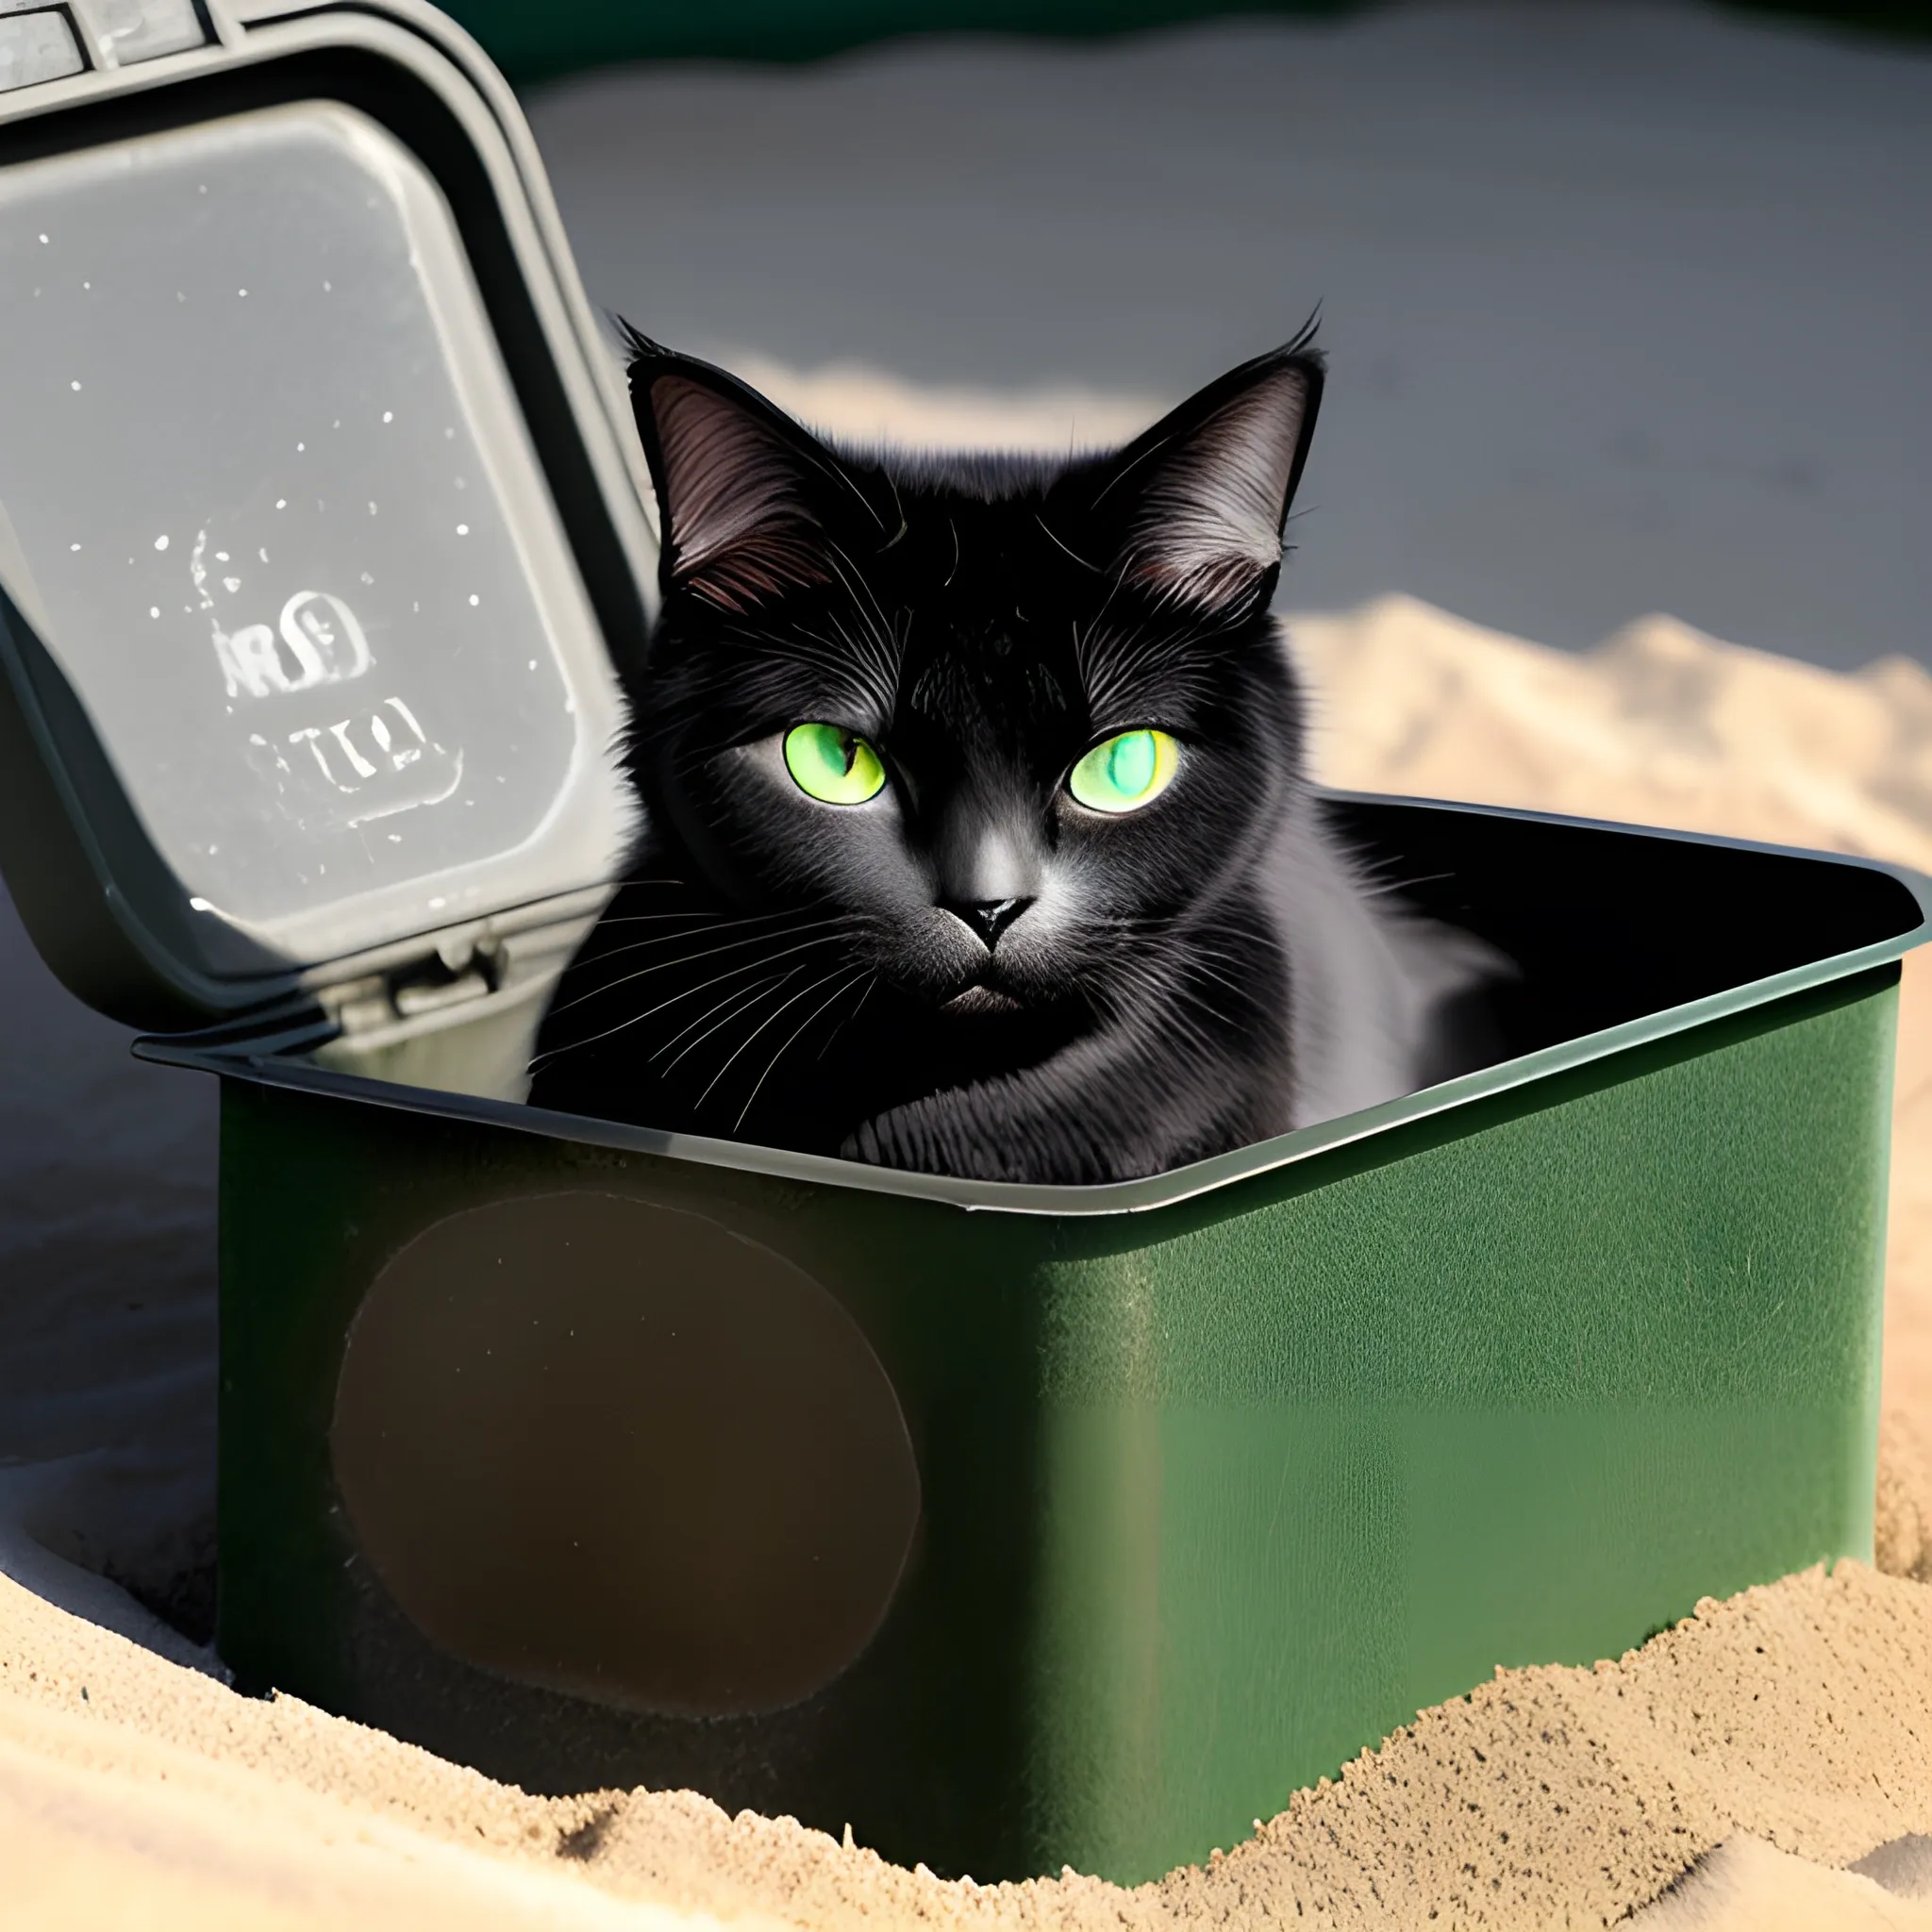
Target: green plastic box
(1014,1527)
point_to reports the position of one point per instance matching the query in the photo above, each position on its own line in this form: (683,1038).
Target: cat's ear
(1193,509)
(741,487)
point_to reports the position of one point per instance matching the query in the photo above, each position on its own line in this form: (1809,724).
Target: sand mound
(1799,1715)
(1659,726)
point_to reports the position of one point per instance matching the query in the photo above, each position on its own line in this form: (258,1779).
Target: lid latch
(463,967)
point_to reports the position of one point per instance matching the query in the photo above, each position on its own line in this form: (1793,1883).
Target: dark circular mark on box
(613,1449)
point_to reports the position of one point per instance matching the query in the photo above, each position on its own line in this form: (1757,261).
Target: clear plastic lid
(268,496)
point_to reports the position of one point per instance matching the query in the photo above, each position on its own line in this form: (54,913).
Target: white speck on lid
(75,384)
(462,529)
(396,837)
(44,241)
(74,546)
(281,503)
(474,598)
(243,293)
(221,557)
(263,554)
(87,285)
(389,415)
(367,578)
(533,663)
(372,509)
(300,447)
(161,542)
(326,286)
(231,585)
(154,609)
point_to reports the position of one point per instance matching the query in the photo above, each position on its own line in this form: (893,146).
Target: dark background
(536,41)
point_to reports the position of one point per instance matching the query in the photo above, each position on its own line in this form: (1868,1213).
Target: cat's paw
(929,1137)
(898,1138)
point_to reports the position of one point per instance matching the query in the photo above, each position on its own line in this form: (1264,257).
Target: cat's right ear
(1193,509)
(739,484)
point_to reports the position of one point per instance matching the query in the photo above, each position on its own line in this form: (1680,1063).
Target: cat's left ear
(1193,509)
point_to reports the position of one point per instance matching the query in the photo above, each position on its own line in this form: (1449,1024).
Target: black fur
(789,972)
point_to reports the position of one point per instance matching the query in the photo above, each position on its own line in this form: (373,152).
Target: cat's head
(1002,714)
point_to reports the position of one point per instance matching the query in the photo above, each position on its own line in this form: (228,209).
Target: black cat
(979,837)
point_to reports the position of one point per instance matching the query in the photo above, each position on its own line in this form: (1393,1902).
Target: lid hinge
(459,970)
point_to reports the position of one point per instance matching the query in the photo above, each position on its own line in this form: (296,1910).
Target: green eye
(832,764)
(1124,772)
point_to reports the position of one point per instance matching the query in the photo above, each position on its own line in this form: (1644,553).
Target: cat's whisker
(1116,660)
(717,979)
(899,505)
(1158,987)
(1196,970)
(737,1001)
(802,992)
(651,917)
(861,591)
(1381,888)
(870,986)
(885,656)
(1067,547)
(688,958)
(837,993)
(869,651)
(1083,642)
(677,998)
(847,665)
(717,922)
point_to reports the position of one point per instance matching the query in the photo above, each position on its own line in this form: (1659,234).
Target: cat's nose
(988,918)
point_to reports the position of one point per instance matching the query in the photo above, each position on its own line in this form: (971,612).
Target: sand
(1797,1716)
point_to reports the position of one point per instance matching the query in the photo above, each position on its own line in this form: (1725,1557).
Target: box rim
(262,1065)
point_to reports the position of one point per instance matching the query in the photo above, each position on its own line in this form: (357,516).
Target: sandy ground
(1790,1720)
(1570,274)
